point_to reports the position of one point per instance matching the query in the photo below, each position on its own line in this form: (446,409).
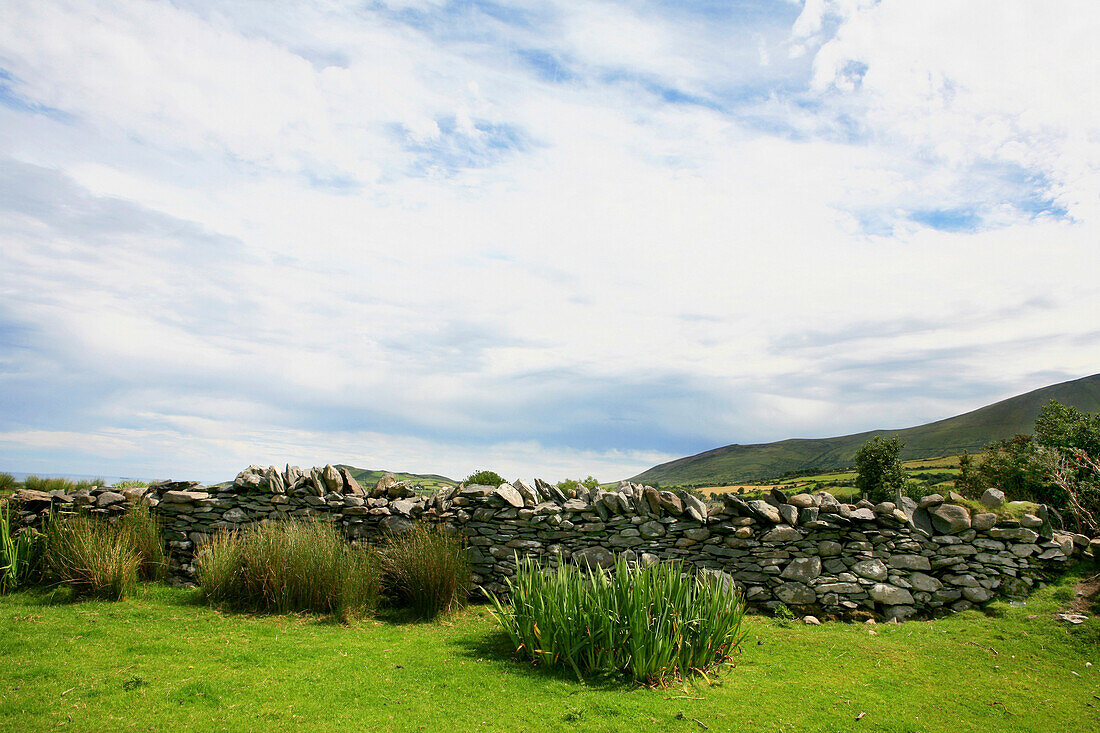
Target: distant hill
(368,478)
(969,431)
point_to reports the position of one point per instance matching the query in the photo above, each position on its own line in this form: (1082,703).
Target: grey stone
(395,525)
(828,548)
(802,501)
(594,557)
(509,495)
(890,595)
(183,497)
(977,595)
(764,510)
(789,513)
(984,521)
(782,533)
(950,518)
(873,569)
(910,562)
(802,569)
(795,594)
(863,514)
(235,515)
(1030,521)
(993,498)
(925,583)
(652,529)
(109,497)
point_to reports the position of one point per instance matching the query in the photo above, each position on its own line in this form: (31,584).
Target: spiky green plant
(650,623)
(427,570)
(290,566)
(21,552)
(7,483)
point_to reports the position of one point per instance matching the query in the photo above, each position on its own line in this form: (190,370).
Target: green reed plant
(93,556)
(142,531)
(427,570)
(290,566)
(650,623)
(7,483)
(21,552)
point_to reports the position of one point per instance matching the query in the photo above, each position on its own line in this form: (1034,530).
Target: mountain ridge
(969,431)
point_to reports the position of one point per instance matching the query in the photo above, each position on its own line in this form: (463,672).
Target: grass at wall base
(161,659)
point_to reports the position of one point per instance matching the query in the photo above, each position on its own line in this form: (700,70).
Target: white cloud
(278,232)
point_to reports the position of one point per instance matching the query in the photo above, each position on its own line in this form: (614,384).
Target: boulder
(509,495)
(950,518)
(693,507)
(382,487)
(651,530)
(394,524)
(763,510)
(350,486)
(789,513)
(802,501)
(109,497)
(671,503)
(993,498)
(782,533)
(984,521)
(530,496)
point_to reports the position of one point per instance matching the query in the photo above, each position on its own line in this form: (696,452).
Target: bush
(290,566)
(7,483)
(21,552)
(484,478)
(650,623)
(95,557)
(880,474)
(141,530)
(427,570)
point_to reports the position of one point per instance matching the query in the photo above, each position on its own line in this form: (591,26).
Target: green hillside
(430,481)
(969,431)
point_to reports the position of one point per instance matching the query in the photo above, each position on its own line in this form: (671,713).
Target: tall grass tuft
(652,624)
(92,555)
(290,566)
(7,483)
(141,530)
(21,552)
(427,570)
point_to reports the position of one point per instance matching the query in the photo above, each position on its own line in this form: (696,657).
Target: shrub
(880,473)
(650,623)
(130,484)
(427,570)
(141,530)
(95,557)
(7,483)
(290,566)
(21,552)
(484,478)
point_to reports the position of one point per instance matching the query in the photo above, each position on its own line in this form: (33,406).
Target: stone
(382,487)
(900,613)
(910,562)
(183,497)
(802,501)
(530,496)
(1030,521)
(693,507)
(977,595)
(109,497)
(924,583)
(403,506)
(764,510)
(950,518)
(395,525)
(594,557)
(351,487)
(653,500)
(795,594)
(874,569)
(235,515)
(782,533)
(802,569)
(993,498)
(811,620)
(984,521)
(789,513)
(827,503)
(828,548)
(671,503)
(863,514)
(509,495)
(890,595)
(652,530)
(697,533)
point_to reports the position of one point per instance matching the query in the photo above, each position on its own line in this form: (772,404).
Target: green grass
(159,661)
(971,431)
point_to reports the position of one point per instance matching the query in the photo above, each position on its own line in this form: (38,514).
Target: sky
(551,238)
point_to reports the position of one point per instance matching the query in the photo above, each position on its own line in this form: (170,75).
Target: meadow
(163,659)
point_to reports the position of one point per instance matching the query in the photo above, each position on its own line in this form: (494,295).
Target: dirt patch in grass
(1086,595)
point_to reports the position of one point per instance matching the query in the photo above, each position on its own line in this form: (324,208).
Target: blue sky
(550,238)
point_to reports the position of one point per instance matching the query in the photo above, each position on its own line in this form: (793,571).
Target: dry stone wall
(812,553)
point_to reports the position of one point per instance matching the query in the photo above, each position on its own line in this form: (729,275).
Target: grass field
(160,661)
(840,483)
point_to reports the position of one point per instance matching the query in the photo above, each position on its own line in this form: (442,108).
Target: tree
(880,473)
(484,478)
(1067,452)
(968,482)
(590,483)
